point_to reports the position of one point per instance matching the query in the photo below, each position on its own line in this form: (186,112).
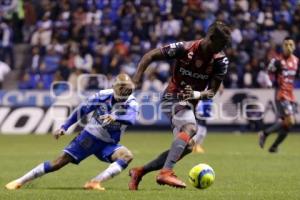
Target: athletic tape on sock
(47,167)
(122,163)
(184,136)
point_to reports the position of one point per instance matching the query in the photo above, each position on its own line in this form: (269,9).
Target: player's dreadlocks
(221,31)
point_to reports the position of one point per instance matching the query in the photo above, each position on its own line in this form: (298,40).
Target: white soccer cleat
(93,185)
(13,185)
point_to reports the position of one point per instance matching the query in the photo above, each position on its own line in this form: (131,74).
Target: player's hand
(187,93)
(58,133)
(107,119)
(208,94)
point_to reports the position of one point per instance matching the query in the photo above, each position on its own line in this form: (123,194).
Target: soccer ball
(201,176)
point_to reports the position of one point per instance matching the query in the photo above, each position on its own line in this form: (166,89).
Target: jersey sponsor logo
(191,74)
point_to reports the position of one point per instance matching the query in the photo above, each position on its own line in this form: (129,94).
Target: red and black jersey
(286,70)
(193,66)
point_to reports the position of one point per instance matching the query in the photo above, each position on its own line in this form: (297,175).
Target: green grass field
(243,171)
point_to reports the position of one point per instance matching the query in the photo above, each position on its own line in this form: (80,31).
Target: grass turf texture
(243,171)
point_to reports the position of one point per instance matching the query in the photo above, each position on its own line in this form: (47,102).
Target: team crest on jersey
(198,63)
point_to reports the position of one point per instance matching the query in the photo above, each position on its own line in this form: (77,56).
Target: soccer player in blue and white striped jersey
(113,110)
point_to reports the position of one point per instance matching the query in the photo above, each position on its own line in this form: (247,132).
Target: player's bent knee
(191,129)
(127,156)
(124,154)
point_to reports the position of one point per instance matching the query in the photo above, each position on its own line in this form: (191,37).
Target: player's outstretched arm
(167,52)
(81,111)
(146,60)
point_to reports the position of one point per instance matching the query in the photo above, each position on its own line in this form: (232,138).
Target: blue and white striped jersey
(101,104)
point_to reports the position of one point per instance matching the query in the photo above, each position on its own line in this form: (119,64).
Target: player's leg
(79,148)
(281,107)
(119,156)
(166,174)
(184,120)
(137,173)
(199,137)
(120,160)
(203,112)
(288,122)
(180,122)
(40,170)
(159,161)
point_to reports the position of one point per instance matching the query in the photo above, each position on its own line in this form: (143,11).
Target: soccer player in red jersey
(197,75)
(285,67)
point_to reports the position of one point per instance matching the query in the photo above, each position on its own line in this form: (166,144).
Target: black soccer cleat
(262,139)
(273,149)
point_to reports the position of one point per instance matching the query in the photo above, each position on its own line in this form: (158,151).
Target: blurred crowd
(68,38)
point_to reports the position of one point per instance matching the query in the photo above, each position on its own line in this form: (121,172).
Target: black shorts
(285,108)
